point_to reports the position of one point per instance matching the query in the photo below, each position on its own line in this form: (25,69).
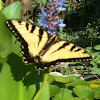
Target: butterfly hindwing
(65,52)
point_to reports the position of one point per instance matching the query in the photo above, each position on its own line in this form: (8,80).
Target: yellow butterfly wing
(37,45)
(31,37)
(65,51)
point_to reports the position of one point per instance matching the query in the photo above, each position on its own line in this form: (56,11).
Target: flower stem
(45,78)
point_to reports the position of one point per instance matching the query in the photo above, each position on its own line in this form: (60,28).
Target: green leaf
(95,70)
(79,67)
(63,79)
(51,78)
(77,82)
(16,48)
(66,94)
(45,94)
(96,81)
(18,81)
(60,78)
(59,96)
(38,1)
(11,88)
(97,47)
(2,61)
(5,38)
(76,98)
(97,92)
(13,11)
(1,4)
(84,92)
(94,63)
(44,1)
(54,90)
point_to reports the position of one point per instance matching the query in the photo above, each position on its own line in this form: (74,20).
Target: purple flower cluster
(49,19)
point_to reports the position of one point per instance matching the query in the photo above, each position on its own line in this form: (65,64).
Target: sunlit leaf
(97,93)
(13,11)
(97,47)
(84,92)
(5,38)
(54,90)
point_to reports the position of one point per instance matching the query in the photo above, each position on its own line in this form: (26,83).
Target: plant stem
(0,4)
(45,78)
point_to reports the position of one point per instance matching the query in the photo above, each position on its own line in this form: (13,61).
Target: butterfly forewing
(35,37)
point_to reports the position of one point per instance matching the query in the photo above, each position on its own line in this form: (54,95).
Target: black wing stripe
(77,50)
(15,32)
(26,56)
(63,46)
(33,28)
(19,21)
(24,49)
(27,26)
(85,51)
(73,59)
(40,34)
(50,42)
(66,60)
(72,47)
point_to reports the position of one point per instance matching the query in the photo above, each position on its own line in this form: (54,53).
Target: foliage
(86,12)
(35,2)
(75,89)
(96,60)
(21,82)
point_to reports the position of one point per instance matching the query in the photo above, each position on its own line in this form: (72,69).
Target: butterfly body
(45,50)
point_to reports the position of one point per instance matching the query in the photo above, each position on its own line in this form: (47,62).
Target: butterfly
(39,47)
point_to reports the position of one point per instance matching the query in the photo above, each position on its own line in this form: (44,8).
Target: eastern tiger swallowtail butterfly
(45,50)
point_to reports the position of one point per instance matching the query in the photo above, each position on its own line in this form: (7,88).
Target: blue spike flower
(49,19)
